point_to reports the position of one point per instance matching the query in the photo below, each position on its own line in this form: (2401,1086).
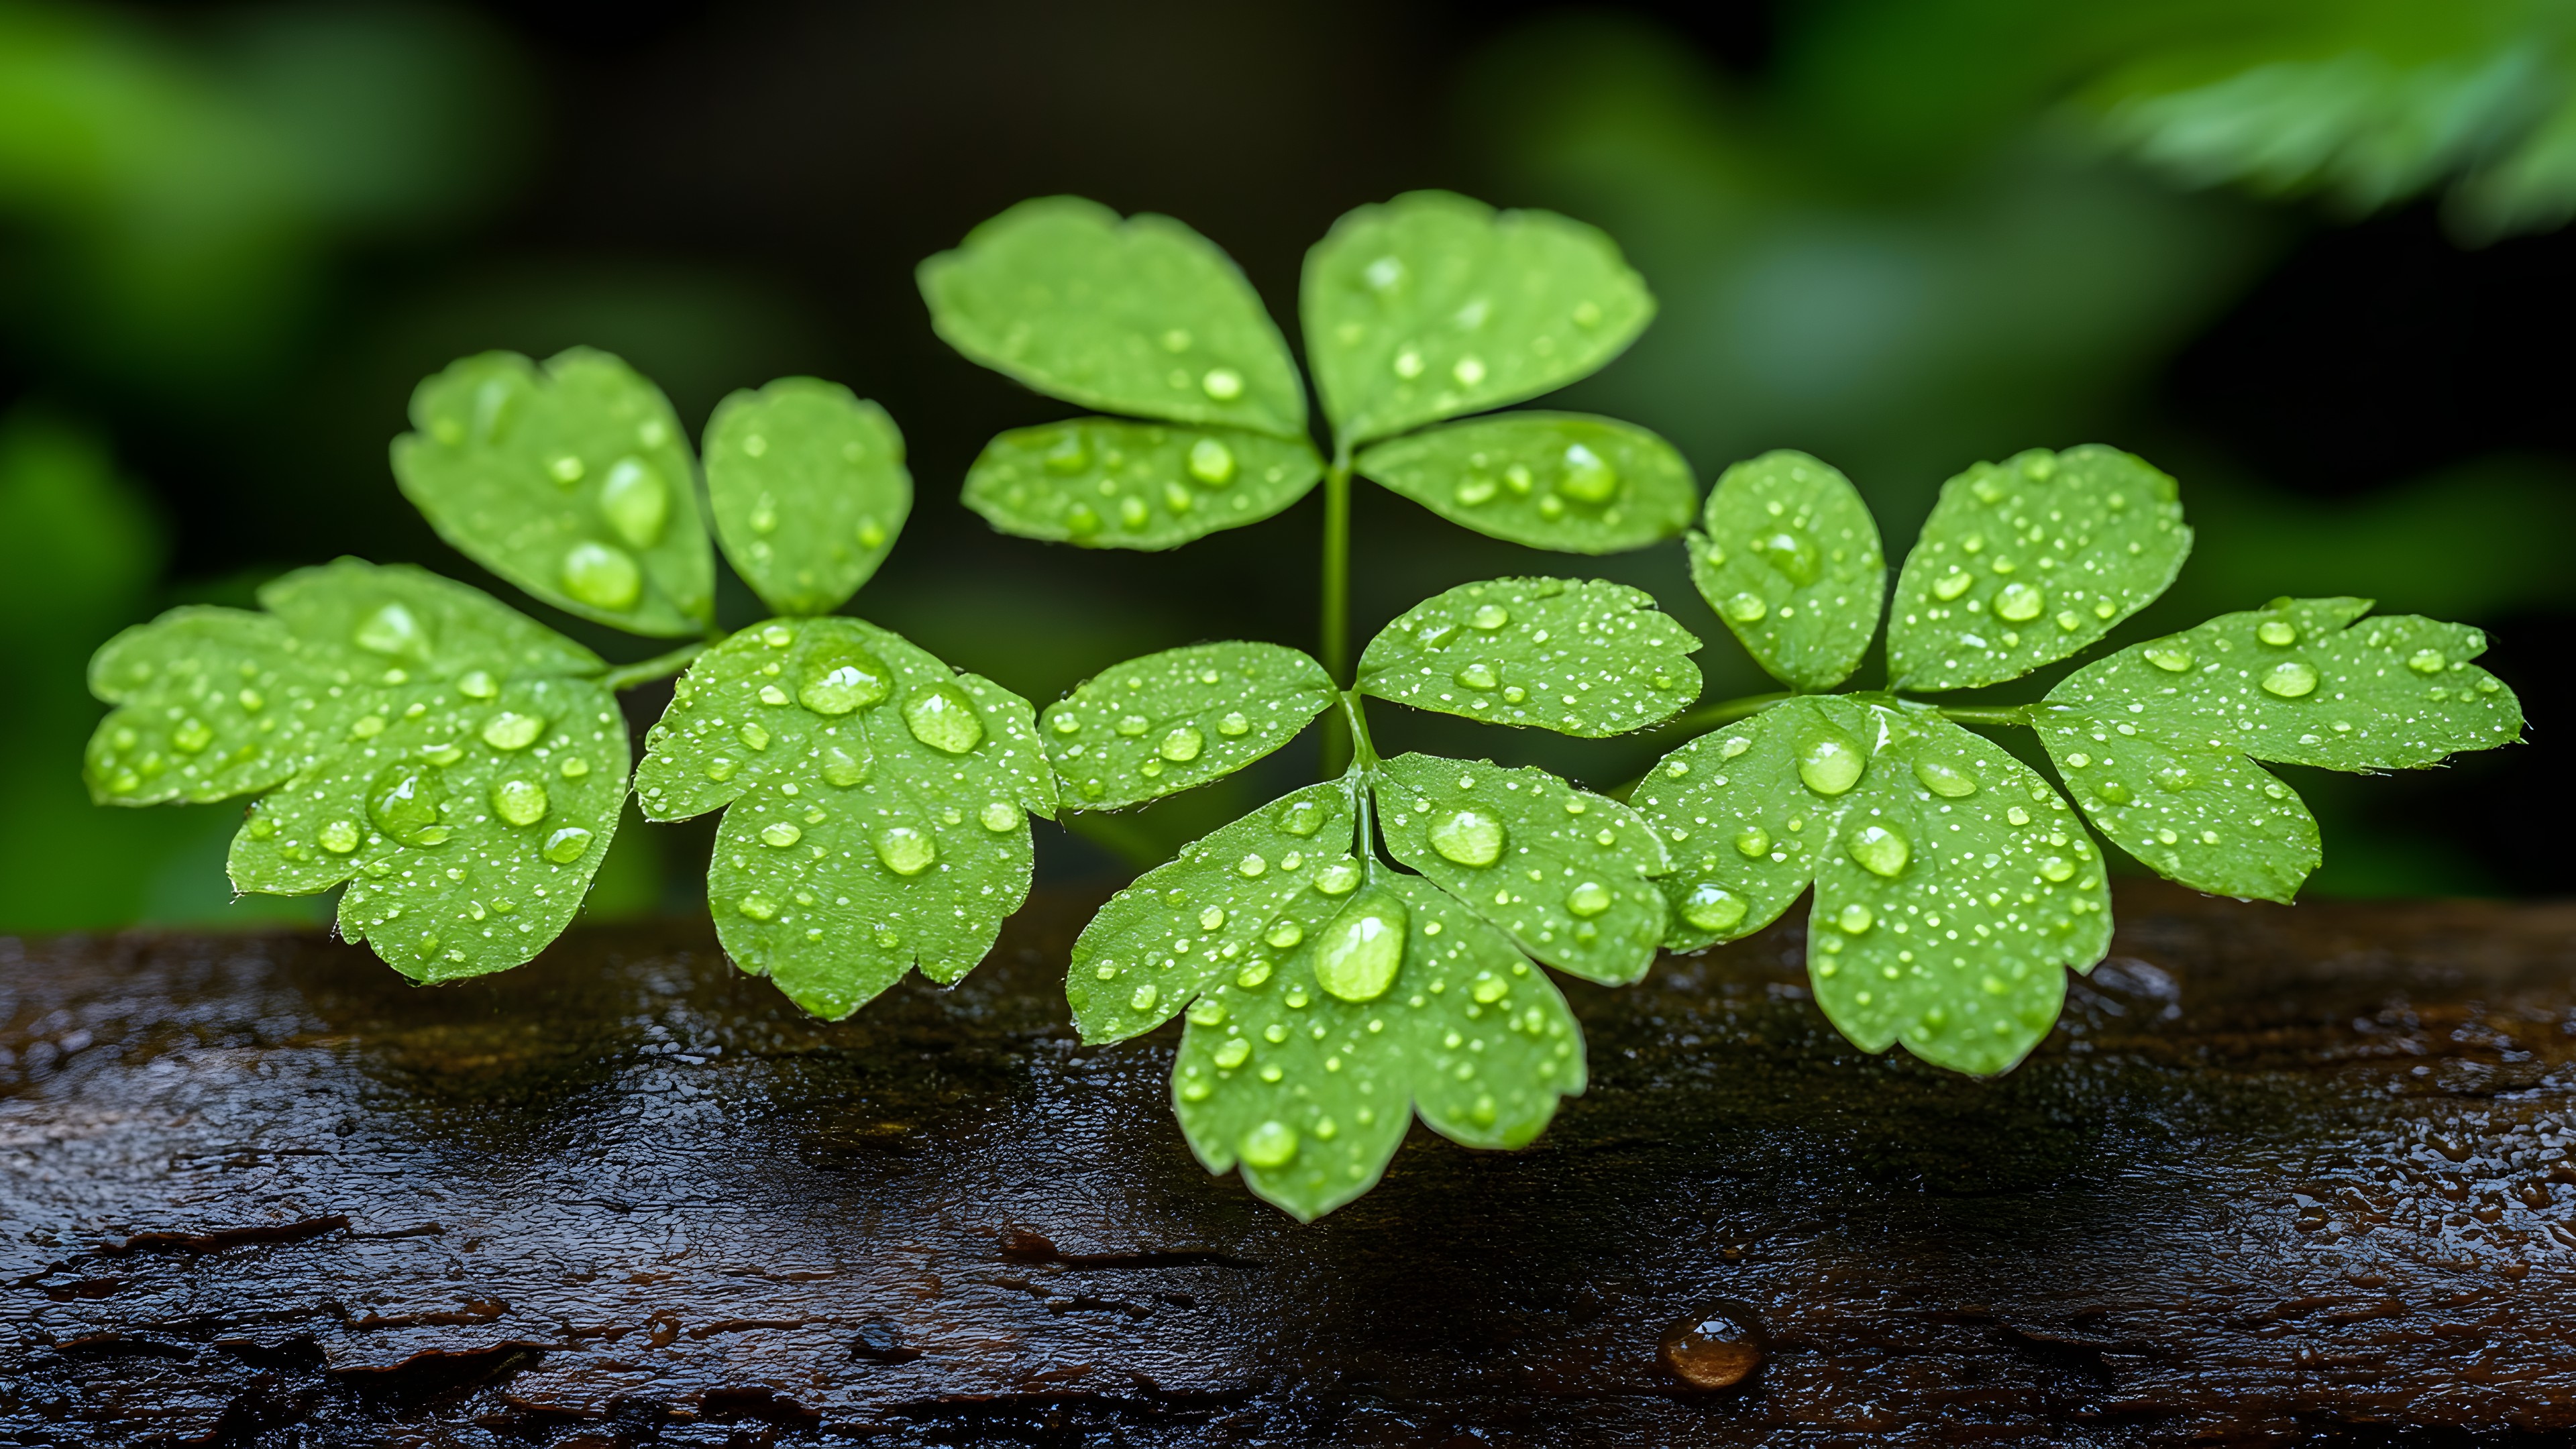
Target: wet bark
(2280,1175)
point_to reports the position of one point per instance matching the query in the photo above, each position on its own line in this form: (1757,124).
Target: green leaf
(457,764)
(878,800)
(1176,720)
(1103,483)
(2155,741)
(2030,561)
(1563,870)
(1433,305)
(1566,481)
(574,483)
(1307,1090)
(1578,657)
(1790,560)
(1952,887)
(1140,316)
(1231,906)
(808,489)
(1738,821)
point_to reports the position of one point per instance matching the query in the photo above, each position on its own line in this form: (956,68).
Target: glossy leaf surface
(1176,720)
(1104,483)
(1789,557)
(1737,820)
(1563,481)
(1581,658)
(808,488)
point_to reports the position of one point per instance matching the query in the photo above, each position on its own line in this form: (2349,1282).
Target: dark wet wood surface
(2281,1176)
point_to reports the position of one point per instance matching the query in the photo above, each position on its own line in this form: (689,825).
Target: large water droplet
(1853,919)
(2426,661)
(2020,603)
(2173,656)
(1211,462)
(1357,953)
(1753,842)
(1588,477)
(759,907)
(393,629)
(635,501)
(1182,745)
(1222,383)
(943,718)
(567,845)
(998,816)
(1744,608)
(1712,907)
(340,836)
(780,834)
(1829,761)
(602,576)
(1490,616)
(842,768)
(192,736)
(1478,675)
(2279,633)
(1468,837)
(1301,817)
(477,684)
(841,677)
(1269,1146)
(510,730)
(1880,850)
(403,801)
(1791,553)
(906,851)
(1944,779)
(2290,679)
(1285,934)
(520,802)
(1951,586)
(1588,899)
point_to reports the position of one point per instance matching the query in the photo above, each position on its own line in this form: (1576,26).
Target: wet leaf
(573,482)
(1104,483)
(1564,481)
(1790,560)
(1578,657)
(1737,820)
(808,488)
(1176,720)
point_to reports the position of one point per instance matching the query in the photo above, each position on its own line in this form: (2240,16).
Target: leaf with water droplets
(573,482)
(1141,316)
(2030,561)
(1578,657)
(1564,871)
(1432,305)
(1106,483)
(1789,558)
(1953,887)
(1404,1001)
(1176,720)
(1739,820)
(877,800)
(1566,481)
(2156,742)
(808,488)
(1231,906)
(456,764)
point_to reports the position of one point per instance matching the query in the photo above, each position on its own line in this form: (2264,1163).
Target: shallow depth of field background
(1901,234)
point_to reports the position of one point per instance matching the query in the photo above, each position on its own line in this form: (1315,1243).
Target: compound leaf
(2029,561)
(1141,316)
(1790,560)
(1432,305)
(1403,999)
(1232,905)
(1737,819)
(878,805)
(2154,741)
(808,489)
(1176,720)
(1104,483)
(574,483)
(1578,657)
(1566,481)
(1564,871)
(459,766)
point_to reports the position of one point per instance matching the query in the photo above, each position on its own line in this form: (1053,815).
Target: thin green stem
(1986,714)
(1355,716)
(1334,649)
(660,666)
(1724,712)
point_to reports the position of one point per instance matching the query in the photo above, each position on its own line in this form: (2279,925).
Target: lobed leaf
(1104,483)
(1581,658)
(573,482)
(456,764)
(1736,819)
(1564,871)
(1141,316)
(1309,1092)
(2030,561)
(1232,905)
(808,489)
(1176,720)
(2156,741)
(1790,559)
(879,805)
(1566,481)
(1432,305)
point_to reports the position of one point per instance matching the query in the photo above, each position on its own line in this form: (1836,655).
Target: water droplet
(1945,779)
(1588,477)
(2290,679)
(1790,553)
(1233,725)
(754,736)
(1712,907)
(1830,762)
(635,501)
(1468,837)
(759,907)
(1211,462)
(1222,383)
(520,802)
(191,736)
(1408,364)
(1476,491)
(999,816)
(2068,620)
(1490,616)
(1133,513)
(1285,935)
(1478,675)
(1301,817)
(871,533)
(906,851)
(1182,745)
(1271,1145)
(565,469)
(1952,585)
(1754,841)
(943,718)
(567,845)
(841,677)
(2174,778)
(340,836)
(1468,370)
(1880,850)
(2113,792)
(403,801)
(1339,878)
(2173,656)
(392,629)
(1588,899)
(2056,868)
(2426,661)
(721,768)
(1357,954)
(1069,455)
(1744,608)
(1854,919)
(780,834)
(602,576)
(1711,1353)
(2279,633)
(842,768)
(1143,997)
(2020,603)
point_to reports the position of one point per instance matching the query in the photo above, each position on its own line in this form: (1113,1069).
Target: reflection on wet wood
(2280,1172)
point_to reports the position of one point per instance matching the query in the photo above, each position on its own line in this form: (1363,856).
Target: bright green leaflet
(1565,871)
(878,805)
(1952,888)
(1564,481)
(1581,658)
(1232,906)
(1141,316)
(828,466)
(574,483)
(2156,742)
(1433,305)
(1790,559)
(1104,483)
(1176,720)
(1310,1093)
(2030,561)
(1738,820)
(455,762)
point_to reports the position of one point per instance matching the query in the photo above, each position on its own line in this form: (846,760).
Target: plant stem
(1355,716)
(1335,646)
(1724,712)
(1986,714)
(660,666)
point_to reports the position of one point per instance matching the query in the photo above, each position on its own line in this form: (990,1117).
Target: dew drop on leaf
(1588,477)
(567,845)
(998,816)
(403,802)
(393,629)
(1830,761)
(340,836)
(906,851)
(2426,661)
(1359,951)
(1468,837)
(2020,603)
(1588,899)
(2172,656)
(1271,1145)
(2290,679)
(1745,608)
(1490,616)
(943,718)
(1880,850)
(2279,633)
(841,677)
(602,576)
(1712,907)
(780,834)
(1945,779)
(1182,745)
(520,802)
(636,502)
(1211,462)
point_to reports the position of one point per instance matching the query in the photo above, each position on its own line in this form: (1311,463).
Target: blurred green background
(2305,254)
